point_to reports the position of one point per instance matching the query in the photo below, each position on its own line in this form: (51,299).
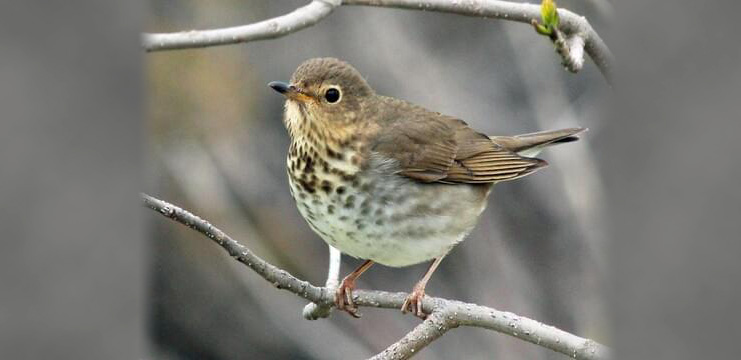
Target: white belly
(390,219)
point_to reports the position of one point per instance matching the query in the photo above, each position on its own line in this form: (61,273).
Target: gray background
(73,257)
(630,237)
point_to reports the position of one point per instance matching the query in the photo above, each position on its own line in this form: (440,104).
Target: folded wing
(437,148)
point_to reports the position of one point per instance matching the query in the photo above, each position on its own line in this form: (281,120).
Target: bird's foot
(343,298)
(413,302)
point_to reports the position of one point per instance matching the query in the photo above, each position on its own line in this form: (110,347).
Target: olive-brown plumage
(388,181)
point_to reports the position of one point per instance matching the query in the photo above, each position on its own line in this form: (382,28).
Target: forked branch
(578,36)
(444,314)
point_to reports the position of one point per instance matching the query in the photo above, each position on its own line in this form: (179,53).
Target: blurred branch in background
(573,35)
(444,314)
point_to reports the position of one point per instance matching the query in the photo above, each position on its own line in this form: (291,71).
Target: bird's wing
(434,148)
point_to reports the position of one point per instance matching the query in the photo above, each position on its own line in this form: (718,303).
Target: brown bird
(388,181)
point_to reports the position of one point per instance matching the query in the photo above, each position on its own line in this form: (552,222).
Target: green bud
(542,30)
(549,14)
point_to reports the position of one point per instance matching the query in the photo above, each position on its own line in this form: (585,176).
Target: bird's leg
(413,302)
(343,296)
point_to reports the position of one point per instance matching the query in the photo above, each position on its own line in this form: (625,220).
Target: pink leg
(413,302)
(343,296)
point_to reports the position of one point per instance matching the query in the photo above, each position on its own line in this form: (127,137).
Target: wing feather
(430,147)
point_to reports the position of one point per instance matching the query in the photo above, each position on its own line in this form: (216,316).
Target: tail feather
(530,145)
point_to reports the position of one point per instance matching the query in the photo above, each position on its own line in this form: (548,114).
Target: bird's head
(326,98)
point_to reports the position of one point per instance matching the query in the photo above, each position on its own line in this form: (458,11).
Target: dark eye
(332,95)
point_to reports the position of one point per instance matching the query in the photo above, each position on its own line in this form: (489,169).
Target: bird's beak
(288,91)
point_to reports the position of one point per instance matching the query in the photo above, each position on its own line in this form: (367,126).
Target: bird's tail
(529,145)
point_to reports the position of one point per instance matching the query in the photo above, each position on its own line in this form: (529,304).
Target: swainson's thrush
(388,181)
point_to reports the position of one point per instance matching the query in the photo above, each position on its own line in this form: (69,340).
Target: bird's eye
(332,95)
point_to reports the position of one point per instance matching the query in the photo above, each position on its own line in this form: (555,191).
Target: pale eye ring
(332,95)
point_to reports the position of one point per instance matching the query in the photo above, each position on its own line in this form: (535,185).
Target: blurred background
(218,148)
(630,237)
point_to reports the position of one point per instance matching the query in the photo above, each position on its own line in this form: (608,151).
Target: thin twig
(576,29)
(570,48)
(299,19)
(444,314)
(434,326)
(570,24)
(313,311)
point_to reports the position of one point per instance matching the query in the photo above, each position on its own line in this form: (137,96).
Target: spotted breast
(372,212)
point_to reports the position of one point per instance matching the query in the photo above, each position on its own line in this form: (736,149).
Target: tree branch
(313,311)
(299,19)
(422,335)
(571,24)
(579,36)
(444,314)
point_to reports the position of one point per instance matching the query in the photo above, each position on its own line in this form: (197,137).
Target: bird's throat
(313,137)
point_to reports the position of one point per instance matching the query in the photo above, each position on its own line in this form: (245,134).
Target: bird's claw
(343,299)
(413,303)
